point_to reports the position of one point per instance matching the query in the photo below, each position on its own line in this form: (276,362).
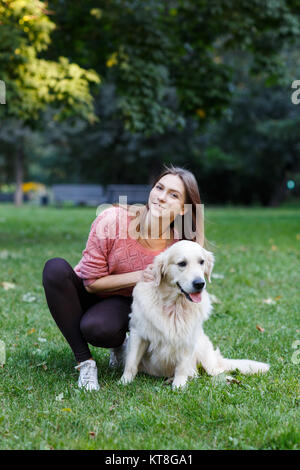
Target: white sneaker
(88,377)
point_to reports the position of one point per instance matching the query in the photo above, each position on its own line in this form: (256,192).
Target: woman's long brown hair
(191,224)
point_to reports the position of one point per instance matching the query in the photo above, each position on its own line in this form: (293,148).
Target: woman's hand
(147,274)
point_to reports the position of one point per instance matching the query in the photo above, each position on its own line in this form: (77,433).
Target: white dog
(166,336)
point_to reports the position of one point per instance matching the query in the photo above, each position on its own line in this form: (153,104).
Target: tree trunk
(280,193)
(19,175)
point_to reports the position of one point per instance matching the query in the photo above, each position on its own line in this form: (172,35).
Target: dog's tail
(245,366)
(214,363)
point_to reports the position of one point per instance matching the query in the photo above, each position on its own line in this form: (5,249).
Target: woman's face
(167,197)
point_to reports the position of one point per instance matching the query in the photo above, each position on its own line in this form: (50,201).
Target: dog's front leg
(136,348)
(182,372)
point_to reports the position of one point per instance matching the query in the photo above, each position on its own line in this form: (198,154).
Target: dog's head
(185,265)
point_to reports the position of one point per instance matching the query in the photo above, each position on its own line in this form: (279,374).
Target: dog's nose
(198,284)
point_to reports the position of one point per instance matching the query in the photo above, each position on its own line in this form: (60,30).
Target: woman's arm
(114,282)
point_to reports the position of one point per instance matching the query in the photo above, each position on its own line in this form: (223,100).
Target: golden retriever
(166,335)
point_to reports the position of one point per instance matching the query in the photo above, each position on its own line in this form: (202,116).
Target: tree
(33,83)
(250,154)
(166,59)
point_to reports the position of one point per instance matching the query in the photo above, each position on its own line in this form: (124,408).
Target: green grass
(257,251)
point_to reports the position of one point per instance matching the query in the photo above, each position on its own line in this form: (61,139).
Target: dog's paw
(179,383)
(126,379)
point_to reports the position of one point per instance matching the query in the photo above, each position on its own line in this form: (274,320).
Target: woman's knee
(55,270)
(101,334)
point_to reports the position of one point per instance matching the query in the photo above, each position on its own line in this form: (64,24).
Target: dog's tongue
(196,297)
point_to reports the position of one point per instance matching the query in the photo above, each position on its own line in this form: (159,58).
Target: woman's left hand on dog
(147,274)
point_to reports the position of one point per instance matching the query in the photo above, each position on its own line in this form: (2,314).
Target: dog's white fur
(166,335)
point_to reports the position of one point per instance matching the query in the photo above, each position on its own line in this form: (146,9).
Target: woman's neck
(156,228)
(155,234)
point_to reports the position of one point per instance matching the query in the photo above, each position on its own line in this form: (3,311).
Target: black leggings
(83,317)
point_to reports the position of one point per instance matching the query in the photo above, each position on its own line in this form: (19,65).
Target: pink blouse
(110,250)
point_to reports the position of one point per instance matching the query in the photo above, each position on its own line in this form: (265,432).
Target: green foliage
(180,82)
(33,83)
(253,151)
(168,60)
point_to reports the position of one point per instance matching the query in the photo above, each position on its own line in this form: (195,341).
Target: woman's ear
(209,264)
(159,268)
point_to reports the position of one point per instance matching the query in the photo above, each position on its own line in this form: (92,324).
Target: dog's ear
(159,267)
(209,264)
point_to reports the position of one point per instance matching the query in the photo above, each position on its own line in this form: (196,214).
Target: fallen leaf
(40,364)
(66,409)
(269,301)
(111,407)
(42,340)
(44,367)
(232,380)
(29,332)
(92,434)
(8,285)
(28,297)
(278,297)
(5,254)
(233,440)
(232,270)
(259,328)
(274,248)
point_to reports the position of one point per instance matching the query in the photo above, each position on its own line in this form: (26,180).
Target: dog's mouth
(196,297)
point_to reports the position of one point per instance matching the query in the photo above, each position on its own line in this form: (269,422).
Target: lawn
(256,280)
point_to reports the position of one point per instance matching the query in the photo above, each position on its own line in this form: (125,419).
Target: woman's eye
(182,264)
(174,195)
(158,187)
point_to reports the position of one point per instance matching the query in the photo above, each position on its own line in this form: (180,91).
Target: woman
(91,304)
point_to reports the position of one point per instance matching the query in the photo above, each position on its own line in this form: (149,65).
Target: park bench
(94,195)
(136,193)
(9,197)
(79,194)
(4,197)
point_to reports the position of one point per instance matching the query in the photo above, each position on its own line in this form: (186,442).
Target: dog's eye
(202,261)
(182,264)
